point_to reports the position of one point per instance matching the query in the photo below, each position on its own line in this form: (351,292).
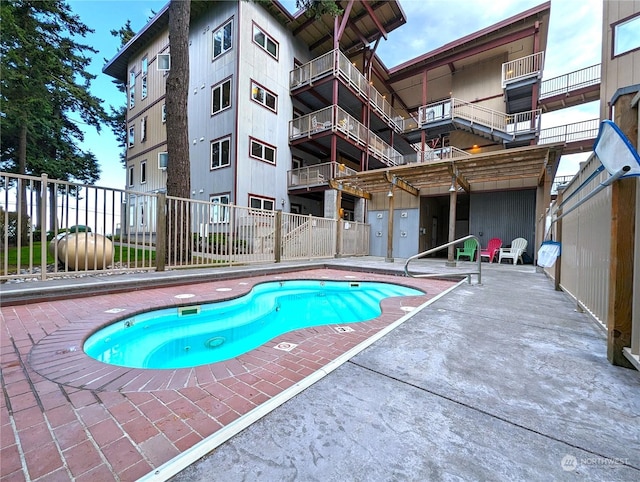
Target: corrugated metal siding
(506,215)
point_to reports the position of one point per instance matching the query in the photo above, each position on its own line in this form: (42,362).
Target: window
(141,216)
(132,136)
(145,68)
(163,160)
(143,172)
(130,177)
(220,153)
(221,97)
(264,97)
(220,209)
(143,129)
(262,151)
(625,35)
(164,62)
(261,203)
(164,113)
(222,39)
(132,89)
(264,41)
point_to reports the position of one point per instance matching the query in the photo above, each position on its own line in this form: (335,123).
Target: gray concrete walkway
(499,381)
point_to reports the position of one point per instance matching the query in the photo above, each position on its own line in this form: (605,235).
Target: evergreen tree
(117,119)
(44,83)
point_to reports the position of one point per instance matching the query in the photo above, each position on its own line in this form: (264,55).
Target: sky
(574,43)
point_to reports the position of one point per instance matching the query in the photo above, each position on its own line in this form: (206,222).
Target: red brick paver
(66,416)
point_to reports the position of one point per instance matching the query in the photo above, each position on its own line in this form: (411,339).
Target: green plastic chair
(468,250)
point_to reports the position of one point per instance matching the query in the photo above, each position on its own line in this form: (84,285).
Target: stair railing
(468,274)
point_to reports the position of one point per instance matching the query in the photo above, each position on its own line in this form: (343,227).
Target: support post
(389,258)
(277,238)
(339,225)
(161,231)
(44,184)
(623,202)
(558,237)
(453,200)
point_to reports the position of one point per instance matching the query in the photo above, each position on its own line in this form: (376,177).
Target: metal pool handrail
(468,274)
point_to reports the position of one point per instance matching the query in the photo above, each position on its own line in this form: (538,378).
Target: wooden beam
(621,262)
(401,183)
(623,201)
(374,17)
(460,179)
(347,188)
(345,19)
(543,171)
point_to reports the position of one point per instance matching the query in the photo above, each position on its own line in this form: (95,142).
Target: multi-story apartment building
(297,113)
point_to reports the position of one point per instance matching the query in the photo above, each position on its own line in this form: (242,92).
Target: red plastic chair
(492,249)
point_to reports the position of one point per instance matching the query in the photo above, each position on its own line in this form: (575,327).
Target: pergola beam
(460,179)
(401,183)
(348,189)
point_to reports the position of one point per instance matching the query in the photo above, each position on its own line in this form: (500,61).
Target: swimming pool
(201,334)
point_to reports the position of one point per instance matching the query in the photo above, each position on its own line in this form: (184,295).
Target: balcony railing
(522,68)
(336,119)
(578,131)
(432,155)
(509,124)
(337,64)
(441,153)
(567,83)
(317,174)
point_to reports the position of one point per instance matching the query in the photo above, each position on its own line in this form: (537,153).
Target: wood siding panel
(621,71)
(479,81)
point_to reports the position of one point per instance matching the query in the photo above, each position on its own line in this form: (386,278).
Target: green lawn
(134,257)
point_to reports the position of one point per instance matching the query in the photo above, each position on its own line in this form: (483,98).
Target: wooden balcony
(444,116)
(335,120)
(518,79)
(336,65)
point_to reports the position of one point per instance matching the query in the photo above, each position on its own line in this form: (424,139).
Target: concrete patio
(502,381)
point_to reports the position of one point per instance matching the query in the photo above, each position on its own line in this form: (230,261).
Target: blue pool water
(197,335)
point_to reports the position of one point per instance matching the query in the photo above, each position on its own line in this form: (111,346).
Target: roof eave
(117,66)
(470,38)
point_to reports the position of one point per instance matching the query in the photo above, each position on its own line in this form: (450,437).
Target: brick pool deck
(65,416)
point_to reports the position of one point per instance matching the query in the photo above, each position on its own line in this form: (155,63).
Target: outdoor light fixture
(452,188)
(390,193)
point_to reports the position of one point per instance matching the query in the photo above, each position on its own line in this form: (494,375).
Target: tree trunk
(178,167)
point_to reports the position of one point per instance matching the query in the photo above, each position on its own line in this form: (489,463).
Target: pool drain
(215,342)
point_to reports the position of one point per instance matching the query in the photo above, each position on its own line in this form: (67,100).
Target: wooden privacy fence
(51,228)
